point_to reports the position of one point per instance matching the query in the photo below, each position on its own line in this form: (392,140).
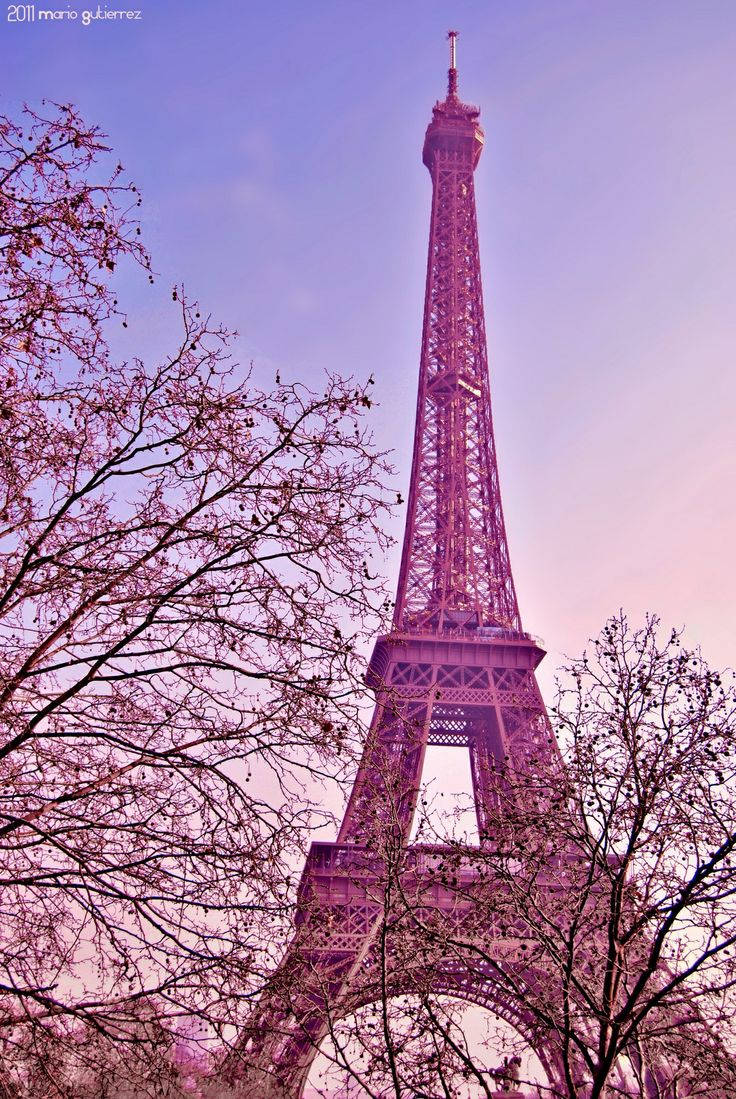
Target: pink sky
(278,151)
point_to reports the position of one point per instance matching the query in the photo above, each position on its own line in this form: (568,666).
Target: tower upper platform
(454,127)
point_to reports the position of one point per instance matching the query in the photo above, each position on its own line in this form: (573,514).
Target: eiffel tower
(456,669)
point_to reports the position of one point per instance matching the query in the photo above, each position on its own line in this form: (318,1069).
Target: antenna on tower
(452,74)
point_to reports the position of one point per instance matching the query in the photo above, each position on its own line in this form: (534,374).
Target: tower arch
(477,1042)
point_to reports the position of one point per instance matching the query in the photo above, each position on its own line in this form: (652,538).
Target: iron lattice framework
(457,669)
(455,564)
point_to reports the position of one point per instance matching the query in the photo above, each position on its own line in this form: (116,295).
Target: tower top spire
(452,74)
(454,125)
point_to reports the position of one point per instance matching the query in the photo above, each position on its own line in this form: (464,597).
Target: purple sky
(278,149)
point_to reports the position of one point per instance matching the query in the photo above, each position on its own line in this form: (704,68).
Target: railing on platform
(328,858)
(501,633)
(468,862)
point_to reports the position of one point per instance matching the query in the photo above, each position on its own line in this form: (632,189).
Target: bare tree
(184,577)
(612,878)
(79,1062)
(63,229)
(598,910)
